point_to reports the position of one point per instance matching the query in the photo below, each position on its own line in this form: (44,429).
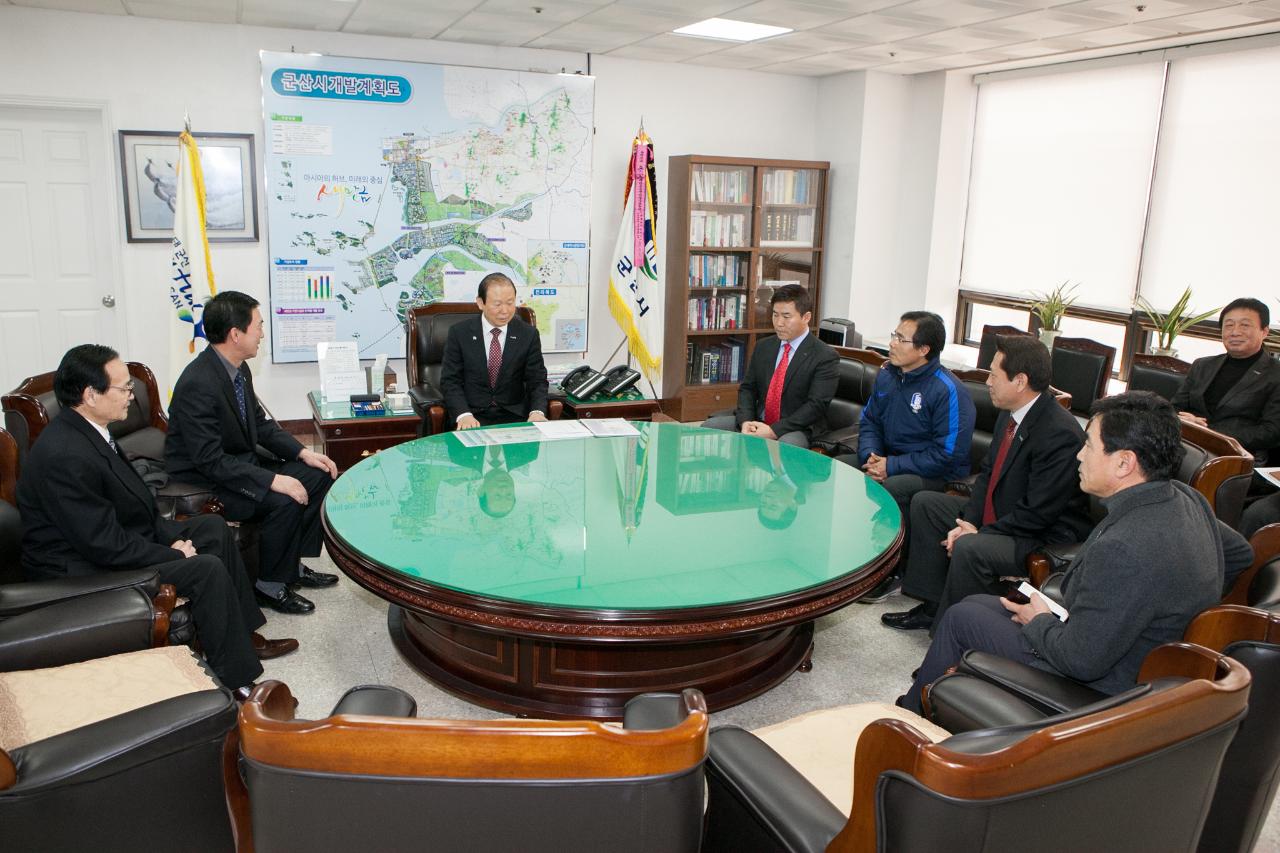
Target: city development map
(396,184)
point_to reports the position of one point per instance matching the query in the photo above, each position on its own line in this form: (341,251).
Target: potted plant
(1172,323)
(1050,307)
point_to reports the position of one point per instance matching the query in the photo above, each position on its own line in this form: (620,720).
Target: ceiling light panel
(731,30)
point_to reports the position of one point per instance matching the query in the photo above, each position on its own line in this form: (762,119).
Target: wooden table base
(577,678)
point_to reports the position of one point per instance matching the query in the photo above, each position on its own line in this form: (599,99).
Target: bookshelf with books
(737,229)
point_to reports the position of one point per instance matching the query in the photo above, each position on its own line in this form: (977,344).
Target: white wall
(147,72)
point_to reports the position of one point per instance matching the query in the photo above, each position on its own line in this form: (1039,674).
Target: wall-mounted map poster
(396,184)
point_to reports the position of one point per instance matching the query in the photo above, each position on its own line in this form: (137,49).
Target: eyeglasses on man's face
(898,337)
(127,387)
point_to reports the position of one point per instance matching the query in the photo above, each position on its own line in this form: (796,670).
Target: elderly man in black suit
(215,428)
(791,379)
(492,372)
(85,510)
(1027,495)
(1238,392)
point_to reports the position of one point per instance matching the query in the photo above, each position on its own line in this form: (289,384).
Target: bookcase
(737,229)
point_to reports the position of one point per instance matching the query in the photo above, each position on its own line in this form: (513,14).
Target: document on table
(610,427)
(556,430)
(492,437)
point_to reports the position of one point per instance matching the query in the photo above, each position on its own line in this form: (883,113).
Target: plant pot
(1168,352)
(1048,336)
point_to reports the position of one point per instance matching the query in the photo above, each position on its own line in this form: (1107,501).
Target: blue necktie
(239,386)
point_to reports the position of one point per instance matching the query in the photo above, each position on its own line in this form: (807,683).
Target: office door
(57,277)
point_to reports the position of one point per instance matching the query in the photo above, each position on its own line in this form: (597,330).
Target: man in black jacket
(791,379)
(85,510)
(215,428)
(492,371)
(1238,392)
(1027,495)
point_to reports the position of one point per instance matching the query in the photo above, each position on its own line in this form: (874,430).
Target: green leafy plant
(1175,321)
(1051,305)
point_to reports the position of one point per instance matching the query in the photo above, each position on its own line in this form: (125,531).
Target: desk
(579,573)
(347,439)
(633,407)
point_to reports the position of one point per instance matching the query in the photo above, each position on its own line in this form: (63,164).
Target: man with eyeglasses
(916,428)
(85,510)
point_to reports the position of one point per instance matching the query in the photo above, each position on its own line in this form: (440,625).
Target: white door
(56,278)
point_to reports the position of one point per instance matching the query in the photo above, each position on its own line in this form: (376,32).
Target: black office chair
(855,378)
(1159,374)
(426,331)
(987,343)
(1082,368)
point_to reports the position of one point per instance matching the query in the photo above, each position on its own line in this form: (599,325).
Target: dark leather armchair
(1082,368)
(1159,374)
(856,374)
(1213,464)
(426,330)
(147,777)
(988,690)
(107,609)
(1259,585)
(1137,776)
(987,343)
(374,778)
(30,407)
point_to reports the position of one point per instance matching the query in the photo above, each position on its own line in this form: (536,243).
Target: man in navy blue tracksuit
(916,427)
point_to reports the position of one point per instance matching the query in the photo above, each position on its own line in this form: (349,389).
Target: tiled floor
(345,642)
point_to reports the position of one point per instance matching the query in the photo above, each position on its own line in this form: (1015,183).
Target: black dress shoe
(241,694)
(287,601)
(315,580)
(916,618)
(887,587)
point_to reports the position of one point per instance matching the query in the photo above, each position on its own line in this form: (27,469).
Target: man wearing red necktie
(1027,495)
(791,379)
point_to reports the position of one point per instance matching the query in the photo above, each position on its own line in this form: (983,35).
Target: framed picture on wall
(148,161)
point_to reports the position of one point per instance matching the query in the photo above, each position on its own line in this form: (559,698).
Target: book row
(783,227)
(718,312)
(721,187)
(719,362)
(788,186)
(707,228)
(717,271)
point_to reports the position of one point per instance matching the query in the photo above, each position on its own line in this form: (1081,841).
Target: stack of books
(709,363)
(716,270)
(717,312)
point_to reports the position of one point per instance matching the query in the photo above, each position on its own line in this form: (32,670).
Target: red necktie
(1006,441)
(773,400)
(495,358)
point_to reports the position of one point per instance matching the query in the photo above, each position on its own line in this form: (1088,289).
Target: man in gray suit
(1238,392)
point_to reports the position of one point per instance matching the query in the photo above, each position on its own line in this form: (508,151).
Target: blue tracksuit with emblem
(921,422)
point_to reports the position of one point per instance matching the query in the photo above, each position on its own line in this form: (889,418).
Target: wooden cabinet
(737,229)
(347,439)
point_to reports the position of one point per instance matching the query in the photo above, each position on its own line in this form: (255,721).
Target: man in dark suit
(85,510)
(791,378)
(1238,392)
(215,428)
(492,372)
(1027,495)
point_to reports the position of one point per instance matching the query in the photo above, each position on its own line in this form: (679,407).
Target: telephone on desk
(584,381)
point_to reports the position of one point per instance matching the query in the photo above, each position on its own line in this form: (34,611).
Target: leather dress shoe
(887,587)
(287,601)
(917,618)
(315,580)
(267,649)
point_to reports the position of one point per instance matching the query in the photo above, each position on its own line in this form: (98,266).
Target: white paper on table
(610,427)
(556,430)
(489,437)
(1270,476)
(1054,607)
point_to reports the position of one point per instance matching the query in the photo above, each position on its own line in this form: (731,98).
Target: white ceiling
(831,36)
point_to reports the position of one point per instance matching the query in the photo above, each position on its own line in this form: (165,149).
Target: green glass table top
(679,517)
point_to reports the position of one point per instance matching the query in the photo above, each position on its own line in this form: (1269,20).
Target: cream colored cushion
(39,703)
(821,744)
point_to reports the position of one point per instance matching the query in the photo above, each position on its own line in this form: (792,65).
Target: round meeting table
(560,578)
